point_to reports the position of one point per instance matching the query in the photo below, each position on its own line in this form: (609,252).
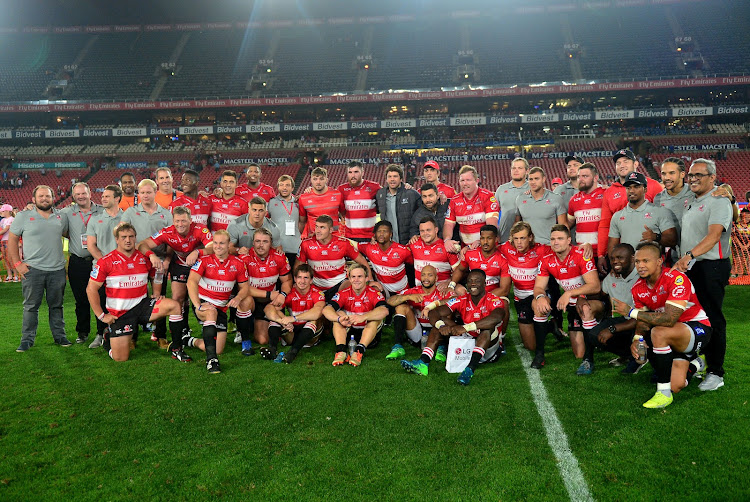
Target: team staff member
(397,204)
(125,272)
(358,204)
(431,172)
(199,205)
(669,314)
(80,260)
(470,209)
(101,242)
(507,194)
(303,326)
(431,207)
(228,206)
(129,197)
(676,191)
(568,189)
(254,188)
(706,231)
(321,200)
(165,194)
(242,230)
(541,208)
(284,209)
(357,311)
(42,270)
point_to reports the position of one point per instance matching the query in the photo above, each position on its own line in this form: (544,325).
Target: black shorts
(221,319)
(127,324)
(699,338)
(179,273)
(574,319)
(524,311)
(357,332)
(259,312)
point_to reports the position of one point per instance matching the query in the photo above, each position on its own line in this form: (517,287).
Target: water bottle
(641,347)
(352,345)
(158,277)
(424,340)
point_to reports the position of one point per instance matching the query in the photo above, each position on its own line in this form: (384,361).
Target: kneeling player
(210,285)
(487,316)
(411,317)
(304,325)
(126,271)
(667,306)
(359,311)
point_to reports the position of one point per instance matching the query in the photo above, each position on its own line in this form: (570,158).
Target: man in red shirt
(486,257)
(358,204)
(431,171)
(615,198)
(199,205)
(357,311)
(125,272)
(470,209)
(254,187)
(429,250)
(229,206)
(321,200)
(667,308)
(303,326)
(485,318)
(577,275)
(210,284)
(585,207)
(388,258)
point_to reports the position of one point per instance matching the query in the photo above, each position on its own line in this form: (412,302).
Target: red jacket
(615,198)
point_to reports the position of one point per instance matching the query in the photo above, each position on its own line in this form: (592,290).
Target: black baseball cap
(635,178)
(573,157)
(624,153)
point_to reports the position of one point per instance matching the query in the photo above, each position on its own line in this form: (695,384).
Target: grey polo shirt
(77,221)
(101,227)
(566,191)
(147,224)
(392,216)
(241,232)
(541,214)
(42,239)
(281,212)
(675,204)
(627,223)
(506,196)
(700,213)
(620,287)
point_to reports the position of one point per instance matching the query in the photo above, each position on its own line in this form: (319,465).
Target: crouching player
(666,306)
(411,317)
(487,317)
(125,271)
(210,285)
(304,325)
(358,311)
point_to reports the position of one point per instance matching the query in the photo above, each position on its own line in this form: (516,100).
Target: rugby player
(585,207)
(322,200)
(199,205)
(486,257)
(388,258)
(358,204)
(471,209)
(228,206)
(429,250)
(254,187)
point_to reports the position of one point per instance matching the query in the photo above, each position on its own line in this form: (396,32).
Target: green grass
(75,425)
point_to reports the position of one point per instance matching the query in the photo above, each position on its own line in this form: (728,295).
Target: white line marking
(558,441)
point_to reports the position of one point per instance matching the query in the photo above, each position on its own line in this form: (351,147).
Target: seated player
(429,250)
(388,258)
(411,318)
(125,271)
(487,316)
(601,329)
(667,308)
(266,267)
(486,257)
(210,285)
(305,324)
(357,311)
(577,275)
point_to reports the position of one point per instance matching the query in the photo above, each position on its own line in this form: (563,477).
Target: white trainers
(97,342)
(711,382)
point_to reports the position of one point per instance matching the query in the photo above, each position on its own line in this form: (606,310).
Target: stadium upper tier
(431,52)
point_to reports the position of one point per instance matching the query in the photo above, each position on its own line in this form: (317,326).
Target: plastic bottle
(352,345)
(641,347)
(158,277)
(424,340)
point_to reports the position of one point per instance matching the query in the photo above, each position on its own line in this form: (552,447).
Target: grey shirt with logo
(101,226)
(698,215)
(242,233)
(506,196)
(77,221)
(541,214)
(620,287)
(627,223)
(283,211)
(42,239)
(147,224)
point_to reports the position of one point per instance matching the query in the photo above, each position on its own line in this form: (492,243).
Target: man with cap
(556,182)
(431,206)
(80,260)
(506,196)
(640,220)
(431,171)
(615,199)
(569,188)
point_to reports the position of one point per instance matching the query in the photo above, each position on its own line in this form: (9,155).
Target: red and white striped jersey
(433,254)
(225,211)
(671,286)
(472,214)
(218,278)
(247,192)
(448,190)
(429,298)
(313,205)
(523,268)
(183,246)
(586,208)
(388,265)
(299,303)
(569,272)
(352,303)
(264,273)
(359,208)
(200,208)
(125,279)
(328,261)
(495,266)
(473,313)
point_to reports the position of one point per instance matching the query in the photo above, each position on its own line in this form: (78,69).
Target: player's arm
(495,317)
(331,312)
(92,292)
(458,272)
(192,287)
(604,224)
(541,302)
(591,285)
(448,227)
(673,309)
(503,289)
(571,221)
(396,300)
(312,314)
